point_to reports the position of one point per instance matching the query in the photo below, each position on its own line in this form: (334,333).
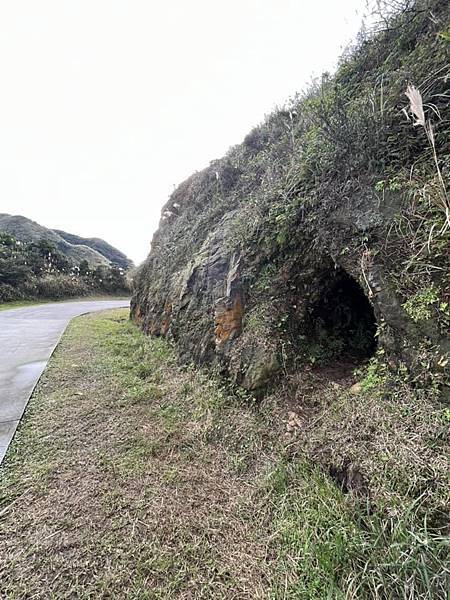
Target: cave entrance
(342,323)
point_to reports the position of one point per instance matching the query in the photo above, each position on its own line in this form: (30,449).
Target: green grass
(22,303)
(331,548)
(131,477)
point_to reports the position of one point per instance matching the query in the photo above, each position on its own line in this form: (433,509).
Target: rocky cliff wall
(324,235)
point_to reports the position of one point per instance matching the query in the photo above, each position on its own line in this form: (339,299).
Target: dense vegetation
(27,230)
(32,270)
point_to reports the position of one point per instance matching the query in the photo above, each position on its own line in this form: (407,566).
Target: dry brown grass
(416,108)
(113,495)
(397,438)
(133,478)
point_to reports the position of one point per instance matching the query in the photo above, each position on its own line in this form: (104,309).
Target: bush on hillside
(38,270)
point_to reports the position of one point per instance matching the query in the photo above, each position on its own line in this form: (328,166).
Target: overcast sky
(106,105)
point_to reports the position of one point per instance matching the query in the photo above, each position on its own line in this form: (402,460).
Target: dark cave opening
(342,323)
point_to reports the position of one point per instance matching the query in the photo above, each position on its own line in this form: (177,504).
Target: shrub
(38,270)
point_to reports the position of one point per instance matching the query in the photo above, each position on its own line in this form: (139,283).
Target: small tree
(84,268)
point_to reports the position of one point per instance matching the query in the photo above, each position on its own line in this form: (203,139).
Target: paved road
(28,337)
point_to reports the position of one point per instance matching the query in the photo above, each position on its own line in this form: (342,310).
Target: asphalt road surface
(28,337)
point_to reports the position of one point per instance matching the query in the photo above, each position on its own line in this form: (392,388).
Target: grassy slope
(133,478)
(112,254)
(26,230)
(21,303)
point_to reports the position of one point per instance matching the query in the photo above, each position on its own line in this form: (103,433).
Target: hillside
(332,206)
(310,267)
(75,249)
(114,255)
(37,263)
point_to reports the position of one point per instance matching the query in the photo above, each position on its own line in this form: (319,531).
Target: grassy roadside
(22,303)
(133,478)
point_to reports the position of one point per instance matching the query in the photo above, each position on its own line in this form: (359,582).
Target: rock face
(317,237)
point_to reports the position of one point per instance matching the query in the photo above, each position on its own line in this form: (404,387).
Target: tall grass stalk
(417,110)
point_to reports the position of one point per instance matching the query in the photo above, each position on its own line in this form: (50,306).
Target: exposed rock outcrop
(322,230)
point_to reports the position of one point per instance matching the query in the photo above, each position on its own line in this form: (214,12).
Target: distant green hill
(112,254)
(95,251)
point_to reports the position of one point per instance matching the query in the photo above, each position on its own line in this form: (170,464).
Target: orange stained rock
(228,320)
